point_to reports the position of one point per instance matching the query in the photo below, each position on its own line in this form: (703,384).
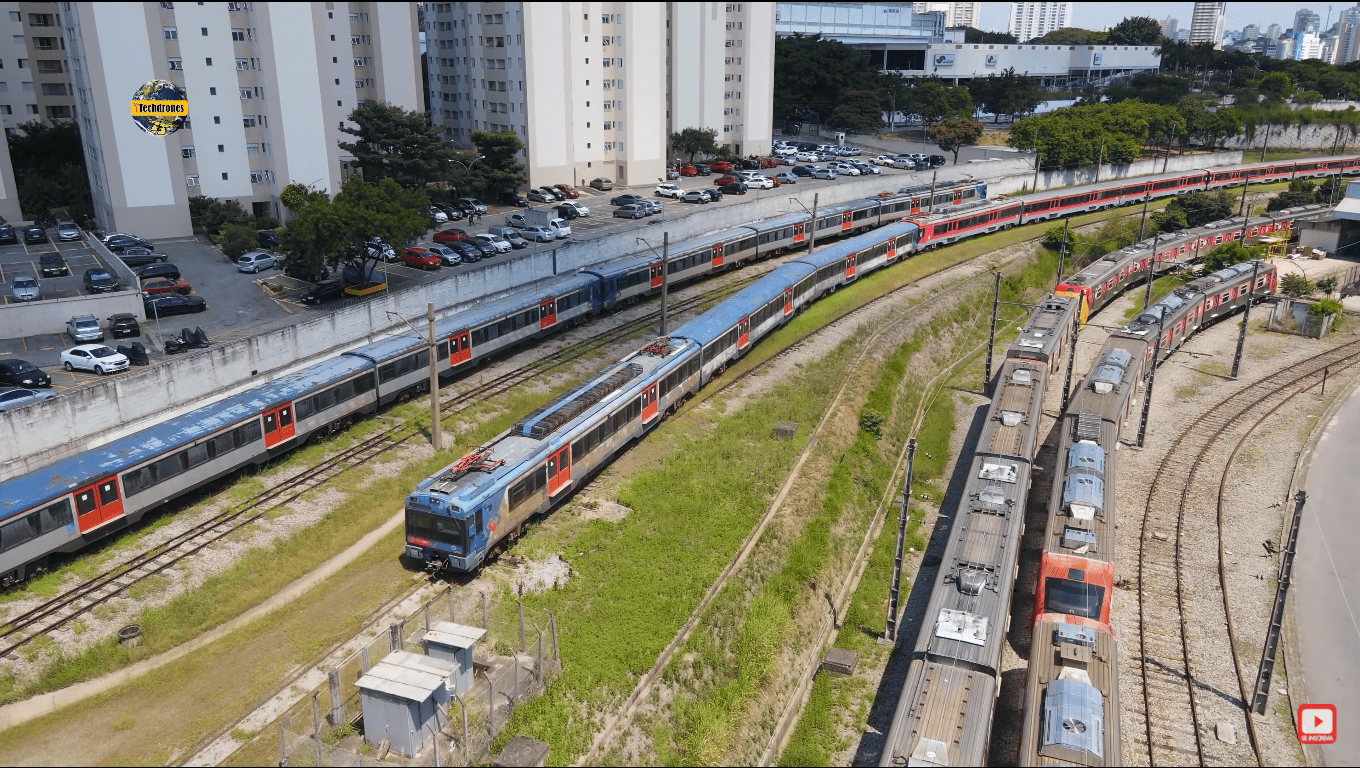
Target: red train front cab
(1074,590)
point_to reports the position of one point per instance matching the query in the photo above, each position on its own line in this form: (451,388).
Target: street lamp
(468,166)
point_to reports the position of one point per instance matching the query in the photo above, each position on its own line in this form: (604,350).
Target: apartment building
(955,14)
(269,86)
(1206,25)
(1031,20)
(595,89)
(33,81)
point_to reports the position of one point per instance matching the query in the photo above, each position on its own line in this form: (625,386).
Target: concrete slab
(522,752)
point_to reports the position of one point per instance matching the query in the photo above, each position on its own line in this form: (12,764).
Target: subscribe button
(1317,724)
(141,108)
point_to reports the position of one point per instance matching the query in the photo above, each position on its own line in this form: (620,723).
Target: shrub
(871,421)
(1328,285)
(1295,286)
(236,239)
(1325,307)
(1229,254)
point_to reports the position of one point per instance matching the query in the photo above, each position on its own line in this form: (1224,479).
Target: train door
(278,425)
(98,503)
(788,301)
(892,248)
(559,470)
(744,332)
(460,351)
(649,404)
(655,275)
(916,205)
(958,196)
(845,221)
(717,255)
(850,266)
(547,313)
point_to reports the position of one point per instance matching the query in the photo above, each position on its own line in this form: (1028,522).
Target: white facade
(268,85)
(1031,20)
(1307,46)
(594,90)
(1306,20)
(1206,26)
(1052,64)
(955,14)
(845,20)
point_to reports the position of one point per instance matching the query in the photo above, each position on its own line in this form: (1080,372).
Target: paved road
(1327,582)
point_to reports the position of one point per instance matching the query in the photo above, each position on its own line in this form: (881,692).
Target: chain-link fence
(1291,316)
(513,663)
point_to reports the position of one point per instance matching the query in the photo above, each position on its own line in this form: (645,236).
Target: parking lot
(20,259)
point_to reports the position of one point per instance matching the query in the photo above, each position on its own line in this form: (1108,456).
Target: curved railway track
(1172,635)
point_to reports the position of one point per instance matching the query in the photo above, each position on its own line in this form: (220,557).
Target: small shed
(447,670)
(452,642)
(400,704)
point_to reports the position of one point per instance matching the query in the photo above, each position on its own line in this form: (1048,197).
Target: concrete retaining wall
(38,435)
(1322,137)
(50,315)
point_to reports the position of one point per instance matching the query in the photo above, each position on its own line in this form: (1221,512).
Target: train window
(197,454)
(16,533)
(387,372)
(168,467)
(56,516)
(285,417)
(1073,598)
(305,408)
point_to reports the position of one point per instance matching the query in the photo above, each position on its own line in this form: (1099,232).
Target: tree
(49,170)
(859,111)
(1228,254)
(1275,85)
(1151,88)
(1200,208)
(1295,285)
(811,75)
(1168,220)
(934,101)
(954,134)
(396,144)
(695,141)
(236,239)
(210,215)
(1136,30)
(1005,94)
(1300,192)
(337,232)
(501,171)
(971,35)
(1327,308)
(294,196)
(1071,36)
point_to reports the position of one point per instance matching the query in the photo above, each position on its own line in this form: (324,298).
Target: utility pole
(1151,273)
(991,337)
(895,590)
(1283,579)
(436,433)
(1266,144)
(1062,252)
(665,273)
(1100,160)
(1152,377)
(1242,207)
(812,238)
(1143,222)
(1246,317)
(1072,354)
(933,176)
(1035,186)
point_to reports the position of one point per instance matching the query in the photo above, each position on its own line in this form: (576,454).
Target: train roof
(778,222)
(1208,282)
(519,301)
(717,321)
(1012,425)
(24,492)
(387,349)
(1109,386)
(1046,329)
(1071,697)
(552,426)
(833,252)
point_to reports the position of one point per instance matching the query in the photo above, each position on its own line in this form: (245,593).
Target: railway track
(1175,631)
(59,611)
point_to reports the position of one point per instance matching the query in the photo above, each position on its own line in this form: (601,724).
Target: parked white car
(758,182)
(881,160)
(845,169)
(807,157)
(93,357)
(668,190)
(498,243)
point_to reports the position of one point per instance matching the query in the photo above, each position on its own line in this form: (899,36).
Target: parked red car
(723,180)
(567,190)
(766,162)
(721,165)
(419,257)
(688,170)
(450,235)
(159,285)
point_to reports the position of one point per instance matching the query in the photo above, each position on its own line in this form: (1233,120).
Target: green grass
(808,746)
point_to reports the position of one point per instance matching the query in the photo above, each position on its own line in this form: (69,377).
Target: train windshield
(1073,598)
(440,528)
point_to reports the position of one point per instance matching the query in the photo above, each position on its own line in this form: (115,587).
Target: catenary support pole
(812,238)
(991,337)
(895,590)
(1071,356)
(1276,626)
(1152,377)
(933,176)
(1151,273)
(1142,224)
(665,270)
(436,430)
(1246,318)
(1062,251)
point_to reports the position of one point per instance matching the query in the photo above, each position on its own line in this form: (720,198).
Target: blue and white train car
(476,334)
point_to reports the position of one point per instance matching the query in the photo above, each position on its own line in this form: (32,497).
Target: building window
(354,40)
(221,148)
(15,16)
(212,91)
(49,66)
(248,121)
(23,63)
(208,61)
(40,20)
(6,110)
(54,89)
(242,65)
(171,33)
(175,63)
(238,35)
(224,176)
(358,83)
(186,151)
(28,87)
(45,43)
(245,93)
(217,119)
(257,177)
(190,179)
(358,61)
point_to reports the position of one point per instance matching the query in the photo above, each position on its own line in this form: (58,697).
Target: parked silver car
(18,398)
(538,234)
(67,230)
(84,328)
(25,288)
(256,261)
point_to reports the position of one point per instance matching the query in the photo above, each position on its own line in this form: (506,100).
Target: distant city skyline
(1098,15)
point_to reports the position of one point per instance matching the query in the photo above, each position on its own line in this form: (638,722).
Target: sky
(1098,15)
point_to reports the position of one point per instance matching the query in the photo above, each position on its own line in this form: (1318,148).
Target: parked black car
(485,249)
(100,281)
(34,235)
(568,212)
(703,170)
(167,304)
(628,199)
(303,272)
(748,164)
(801,170)
(715,194)
(453,212)
(119,243)
(165,269)
(7,234)
(323,292)
(936,160)
(268,238)
(515,200)
(21,373)
(736,188)
(138,256)
(53,265)
(466,251)
(123,325)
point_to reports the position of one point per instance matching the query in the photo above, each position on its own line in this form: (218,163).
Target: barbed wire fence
(513,663)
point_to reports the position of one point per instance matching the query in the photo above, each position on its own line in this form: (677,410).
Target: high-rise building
(596,90)
(1169,26)
(34,86)
(1307,45)
(1031,20)
(1347,37)
(955,14)
(1251,32)
(1206,26)
(269,86)
(1274,31)
(1306,21)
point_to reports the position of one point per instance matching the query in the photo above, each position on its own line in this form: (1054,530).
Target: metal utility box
(401,704)
(453,642)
